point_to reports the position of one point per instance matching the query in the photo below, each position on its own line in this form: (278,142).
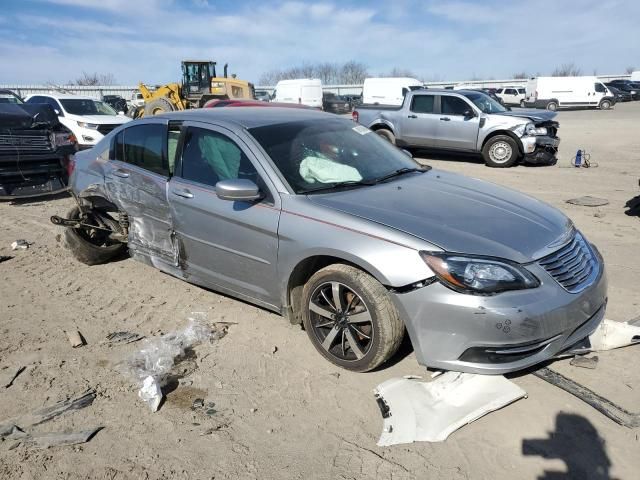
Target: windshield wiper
(334,185)
(400,171)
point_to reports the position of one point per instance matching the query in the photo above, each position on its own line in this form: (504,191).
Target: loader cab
(196,78)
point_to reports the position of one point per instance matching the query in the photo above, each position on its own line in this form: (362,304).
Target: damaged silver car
(306,214)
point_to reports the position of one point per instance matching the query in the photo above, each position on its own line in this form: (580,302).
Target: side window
(510,91)
(600,88)
(454,105)
(144,146)
(422,104)
(117,147)
(173,135)
(499,90)
(208,157)
(521,91)
(55,105)
(36,99)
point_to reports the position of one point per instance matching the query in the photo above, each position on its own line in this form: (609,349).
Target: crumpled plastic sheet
(611,334)
(150,366)
(430,412)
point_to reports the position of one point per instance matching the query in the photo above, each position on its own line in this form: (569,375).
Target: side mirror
(469,113)
(238,189)
(57,111)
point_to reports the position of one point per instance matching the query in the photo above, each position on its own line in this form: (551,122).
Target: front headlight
(633,92)
(525,129)
(92,126)
(478,275)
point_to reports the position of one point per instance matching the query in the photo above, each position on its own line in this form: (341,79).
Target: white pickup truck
(465,121)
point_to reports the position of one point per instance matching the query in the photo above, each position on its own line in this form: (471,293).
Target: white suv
(512,95)
(88,118)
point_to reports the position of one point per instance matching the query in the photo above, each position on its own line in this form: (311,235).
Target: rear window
(144,146)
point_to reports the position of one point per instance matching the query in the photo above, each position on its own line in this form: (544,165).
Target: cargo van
(303,91)
(558,92)
(388,91)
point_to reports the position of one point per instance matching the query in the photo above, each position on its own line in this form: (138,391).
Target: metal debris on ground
(605,406)
(14,429)
(75,338)
(584,362)
(122,338)
(418,411)
(14,376)
(151,365)
(589,201)
(20,245)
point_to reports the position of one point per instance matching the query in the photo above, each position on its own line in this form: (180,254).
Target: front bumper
(502,333)
(33,175)
(540,150)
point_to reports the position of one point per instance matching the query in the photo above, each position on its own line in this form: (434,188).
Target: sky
(144,40)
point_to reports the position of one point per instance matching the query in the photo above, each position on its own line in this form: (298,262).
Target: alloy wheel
(341,321)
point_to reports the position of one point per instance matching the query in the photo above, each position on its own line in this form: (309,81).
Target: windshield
(314,154)
(9,98)
(79,106)
(484,102)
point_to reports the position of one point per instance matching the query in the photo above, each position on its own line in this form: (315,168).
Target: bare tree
(567,70)
(630,69)
(90,79)
(353,73)
(400,72)
(520,75)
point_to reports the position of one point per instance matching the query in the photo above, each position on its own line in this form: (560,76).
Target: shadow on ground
(577,443)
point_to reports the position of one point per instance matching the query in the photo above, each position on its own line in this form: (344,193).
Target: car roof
(249,117)
(64,96)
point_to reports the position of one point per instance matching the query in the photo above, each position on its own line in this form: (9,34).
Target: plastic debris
(418,411)
(20,245)
(611,334)
(584,362)
(589,201)
(150,366)
(151,393)
(57,439)
(75,338)
(4,258)
(123,338)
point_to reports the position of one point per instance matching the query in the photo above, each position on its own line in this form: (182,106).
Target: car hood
(458,214)
(100,119)
(27,115)
(533,115)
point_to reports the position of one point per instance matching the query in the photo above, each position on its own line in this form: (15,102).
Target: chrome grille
(573,266)
(11,143)
(106,128)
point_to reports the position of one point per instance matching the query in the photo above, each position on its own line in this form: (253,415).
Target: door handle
(120,173)
(184,193)
(412,116)
(445,119)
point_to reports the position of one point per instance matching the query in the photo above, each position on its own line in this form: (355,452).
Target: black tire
(360,294)
(387,135)
(158,106)
(552,106)
(605,105)
(87,250)
(500,151)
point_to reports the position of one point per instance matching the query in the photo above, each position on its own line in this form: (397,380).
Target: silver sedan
(316,217)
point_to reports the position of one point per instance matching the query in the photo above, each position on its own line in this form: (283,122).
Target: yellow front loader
(200,85)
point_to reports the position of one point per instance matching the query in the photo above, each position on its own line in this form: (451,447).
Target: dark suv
(633,88)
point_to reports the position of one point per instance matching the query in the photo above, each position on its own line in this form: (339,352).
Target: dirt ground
(280,410)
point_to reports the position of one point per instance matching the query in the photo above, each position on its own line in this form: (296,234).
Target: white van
(388,91)
(635,76)
(557,92)
(304,91)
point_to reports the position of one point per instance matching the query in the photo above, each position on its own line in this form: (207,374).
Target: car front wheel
(500,151)
(350,318)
